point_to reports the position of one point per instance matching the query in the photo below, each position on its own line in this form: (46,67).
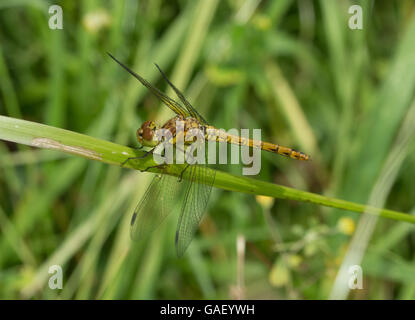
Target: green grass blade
(42,136)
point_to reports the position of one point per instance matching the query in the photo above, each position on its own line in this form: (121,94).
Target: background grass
(292,68)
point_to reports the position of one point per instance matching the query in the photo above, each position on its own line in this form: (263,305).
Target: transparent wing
(192,111)
(158,201)
(173,105)
(194,205)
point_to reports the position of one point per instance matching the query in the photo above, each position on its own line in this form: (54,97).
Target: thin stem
(42,136)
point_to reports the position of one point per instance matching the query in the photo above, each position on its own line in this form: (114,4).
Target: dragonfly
(166,192)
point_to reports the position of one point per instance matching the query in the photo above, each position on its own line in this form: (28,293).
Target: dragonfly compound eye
(148,134)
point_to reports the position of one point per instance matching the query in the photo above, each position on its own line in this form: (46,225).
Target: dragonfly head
(146,135)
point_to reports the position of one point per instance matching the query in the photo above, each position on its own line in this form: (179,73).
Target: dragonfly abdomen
(213,134)
(285,151)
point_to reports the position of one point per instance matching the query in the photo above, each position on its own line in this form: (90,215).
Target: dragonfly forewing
(192,111)
(169,102)
(160,198)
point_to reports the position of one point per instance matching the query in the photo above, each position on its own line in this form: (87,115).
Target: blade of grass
(378,196)
(7,90)
(18,243)
(377,133)
(42,136)
(291,109)
(77,238)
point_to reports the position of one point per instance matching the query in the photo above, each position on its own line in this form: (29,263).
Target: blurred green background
(292,68)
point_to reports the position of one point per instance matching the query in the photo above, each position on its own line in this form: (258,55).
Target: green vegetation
(294,69)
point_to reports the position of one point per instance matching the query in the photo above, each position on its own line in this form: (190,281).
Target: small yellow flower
(262,22)
(346,225)
(96,20)
(294,260)
(265,202)
(279,275)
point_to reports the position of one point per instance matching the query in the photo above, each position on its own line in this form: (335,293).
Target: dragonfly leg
(181,173)
(133,158)
(156,166)
(135,148)
(187,155)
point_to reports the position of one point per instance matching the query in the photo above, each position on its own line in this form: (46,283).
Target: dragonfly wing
(196,198)
(169,102)
(192,111)
(158,201)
